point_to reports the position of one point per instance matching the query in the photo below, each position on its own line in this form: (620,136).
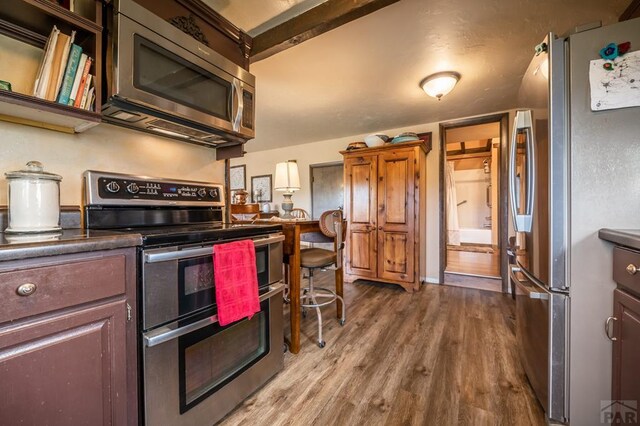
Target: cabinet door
(626,347)
(360,210)
(396,215)
(68,369)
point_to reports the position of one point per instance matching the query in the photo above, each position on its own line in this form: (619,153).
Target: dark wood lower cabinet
(75,365)
(626,347)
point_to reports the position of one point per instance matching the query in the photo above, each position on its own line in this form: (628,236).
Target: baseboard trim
(430,280)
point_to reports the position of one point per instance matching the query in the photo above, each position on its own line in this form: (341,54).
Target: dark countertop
(624,237)
(24,246)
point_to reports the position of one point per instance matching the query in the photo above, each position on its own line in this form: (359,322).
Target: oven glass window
(195,284)
(198,276)
(196,280)
(213,356)
(165,74)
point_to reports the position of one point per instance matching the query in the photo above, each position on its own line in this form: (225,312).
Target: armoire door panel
(395,194)
(360,210)
(395,260)
(361,193)
(361,260)
(396,189)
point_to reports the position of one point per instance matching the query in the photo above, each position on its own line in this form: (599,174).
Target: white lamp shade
(438,85)
(287,177)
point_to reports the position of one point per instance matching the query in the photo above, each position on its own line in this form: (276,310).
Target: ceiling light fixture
(439,84)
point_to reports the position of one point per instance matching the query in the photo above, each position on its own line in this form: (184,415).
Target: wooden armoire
(385,209)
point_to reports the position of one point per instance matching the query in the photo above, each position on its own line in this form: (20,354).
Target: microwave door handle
(238,104)
(165,334)
(522,122)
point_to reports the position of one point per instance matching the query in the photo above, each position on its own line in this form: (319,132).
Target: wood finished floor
(466,262)
(442,356)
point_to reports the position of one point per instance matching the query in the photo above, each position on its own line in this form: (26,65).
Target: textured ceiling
(363,77)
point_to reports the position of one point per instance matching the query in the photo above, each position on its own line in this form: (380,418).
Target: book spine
(83,83)
(85,92)
(70,74)
(63,64)
(76,79)
(43,84)
(47,46)
(56,64)
(90,97)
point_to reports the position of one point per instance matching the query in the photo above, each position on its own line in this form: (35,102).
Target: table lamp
(287,180)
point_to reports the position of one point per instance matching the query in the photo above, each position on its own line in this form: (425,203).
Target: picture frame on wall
(238,177)
(262,183)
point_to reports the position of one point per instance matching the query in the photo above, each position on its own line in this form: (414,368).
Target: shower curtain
(453,228)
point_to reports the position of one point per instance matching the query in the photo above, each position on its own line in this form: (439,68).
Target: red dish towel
(236,281)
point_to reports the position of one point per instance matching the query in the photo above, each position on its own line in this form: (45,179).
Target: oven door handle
(164,334)
(202,251)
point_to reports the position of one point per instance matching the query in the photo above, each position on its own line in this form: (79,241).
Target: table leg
(339,291)
(294,294)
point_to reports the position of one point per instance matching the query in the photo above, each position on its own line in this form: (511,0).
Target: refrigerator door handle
(523,123)
(528,289)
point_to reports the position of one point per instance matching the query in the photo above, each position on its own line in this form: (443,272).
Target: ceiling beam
(633,11)
(322,18)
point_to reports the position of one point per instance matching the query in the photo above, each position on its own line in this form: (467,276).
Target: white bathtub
(475,235)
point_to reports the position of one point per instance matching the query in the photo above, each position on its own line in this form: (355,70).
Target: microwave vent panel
(176,128)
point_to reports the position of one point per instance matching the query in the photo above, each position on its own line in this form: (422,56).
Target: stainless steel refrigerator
(551,157)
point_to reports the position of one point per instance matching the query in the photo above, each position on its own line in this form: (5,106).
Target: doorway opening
(473,201)
(327,188)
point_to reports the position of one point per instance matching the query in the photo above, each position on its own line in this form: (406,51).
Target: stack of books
(64,76)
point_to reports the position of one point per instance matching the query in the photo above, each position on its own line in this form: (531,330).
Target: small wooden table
(291,248)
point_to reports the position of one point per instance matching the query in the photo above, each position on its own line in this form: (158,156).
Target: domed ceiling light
(439,84)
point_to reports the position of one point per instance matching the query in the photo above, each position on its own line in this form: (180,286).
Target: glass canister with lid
(34,200)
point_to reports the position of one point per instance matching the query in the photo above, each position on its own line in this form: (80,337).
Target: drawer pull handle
(631,269)
(26,289)
(607,328)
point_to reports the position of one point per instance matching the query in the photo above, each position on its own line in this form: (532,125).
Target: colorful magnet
(608,66)
(624,47)
(610,51)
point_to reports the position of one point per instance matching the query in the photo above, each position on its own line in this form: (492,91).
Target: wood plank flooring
(465,262)
(441,356)
(478,283)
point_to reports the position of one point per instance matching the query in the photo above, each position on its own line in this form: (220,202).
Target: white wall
(104,147)
(471,186)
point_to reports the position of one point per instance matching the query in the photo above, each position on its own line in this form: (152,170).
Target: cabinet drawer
(60,286)
(626,269)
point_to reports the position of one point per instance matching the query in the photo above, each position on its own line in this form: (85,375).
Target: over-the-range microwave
(163,81)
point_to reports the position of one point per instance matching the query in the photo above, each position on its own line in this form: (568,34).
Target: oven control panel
(106,188)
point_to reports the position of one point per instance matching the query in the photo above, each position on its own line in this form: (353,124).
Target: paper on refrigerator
(618,88)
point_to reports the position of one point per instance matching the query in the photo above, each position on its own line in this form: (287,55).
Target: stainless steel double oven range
(193,371)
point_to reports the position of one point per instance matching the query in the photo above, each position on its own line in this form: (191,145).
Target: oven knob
(113,186)
(213,193)
(202,192)
(133,188)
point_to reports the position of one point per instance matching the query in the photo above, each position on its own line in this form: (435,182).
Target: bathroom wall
(471,186)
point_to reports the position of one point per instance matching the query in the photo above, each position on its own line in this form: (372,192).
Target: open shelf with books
(54,63)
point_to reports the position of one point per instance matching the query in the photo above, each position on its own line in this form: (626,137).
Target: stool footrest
(317,293)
